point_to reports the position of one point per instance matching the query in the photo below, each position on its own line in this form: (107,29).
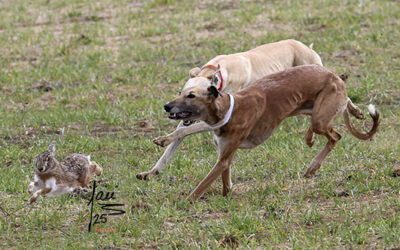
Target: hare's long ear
(52,149)
(194,72)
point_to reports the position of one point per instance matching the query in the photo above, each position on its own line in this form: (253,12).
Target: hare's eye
(179,93)
(191,96)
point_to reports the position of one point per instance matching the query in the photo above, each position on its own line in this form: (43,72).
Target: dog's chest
(253,141)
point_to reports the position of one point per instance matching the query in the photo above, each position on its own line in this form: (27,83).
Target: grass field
(92,77)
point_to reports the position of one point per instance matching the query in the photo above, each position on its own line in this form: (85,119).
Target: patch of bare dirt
(263,24)
(165,38)
(127,91)
(101,128)
(46,86)
(43,20)
(7,90)
(30,133)
(396,171)
(113,42)
(344,54)
(229,241)
(225,6)
(140,205)
(45,100)
(209,33)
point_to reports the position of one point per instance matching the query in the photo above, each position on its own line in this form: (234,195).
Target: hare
(54,178)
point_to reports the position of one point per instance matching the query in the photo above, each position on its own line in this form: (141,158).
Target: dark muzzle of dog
(180,111)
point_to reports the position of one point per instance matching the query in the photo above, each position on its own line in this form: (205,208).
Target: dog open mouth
(180,115)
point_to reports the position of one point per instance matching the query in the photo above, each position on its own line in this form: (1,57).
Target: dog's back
(247,67)
(293,89)
(300,80)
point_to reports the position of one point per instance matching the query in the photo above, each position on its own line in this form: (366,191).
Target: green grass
(113,64)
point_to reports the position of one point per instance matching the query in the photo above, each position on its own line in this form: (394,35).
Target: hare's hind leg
(95,168)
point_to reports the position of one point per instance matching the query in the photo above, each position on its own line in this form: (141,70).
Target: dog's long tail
(354,110)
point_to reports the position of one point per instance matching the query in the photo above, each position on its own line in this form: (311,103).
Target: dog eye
(191,96)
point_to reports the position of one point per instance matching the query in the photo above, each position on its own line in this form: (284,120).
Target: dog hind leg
(354,110)
(328,105)
(317,160)
(309,137)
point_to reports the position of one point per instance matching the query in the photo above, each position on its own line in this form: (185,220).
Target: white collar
(227,115)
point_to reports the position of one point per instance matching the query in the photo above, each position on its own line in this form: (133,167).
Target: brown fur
(75,171)
(240,70)
(259,109)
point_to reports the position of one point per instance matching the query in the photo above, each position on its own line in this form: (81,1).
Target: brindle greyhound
(248,118)
(230,73)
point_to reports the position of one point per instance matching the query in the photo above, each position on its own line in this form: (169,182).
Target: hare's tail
(95,168)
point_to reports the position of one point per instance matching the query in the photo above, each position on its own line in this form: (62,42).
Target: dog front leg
(218,169)
(162,162)
(226,181)
(181,133)
(222,167)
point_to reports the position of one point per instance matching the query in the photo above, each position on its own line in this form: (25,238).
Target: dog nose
(168,107)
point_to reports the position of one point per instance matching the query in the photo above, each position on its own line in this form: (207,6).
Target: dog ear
(213,91)
(194,72)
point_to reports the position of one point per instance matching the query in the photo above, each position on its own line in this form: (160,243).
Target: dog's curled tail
(374,115)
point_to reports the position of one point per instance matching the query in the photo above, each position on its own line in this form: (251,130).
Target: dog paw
(310,143)
(308,174)
(162,141)
(313,167)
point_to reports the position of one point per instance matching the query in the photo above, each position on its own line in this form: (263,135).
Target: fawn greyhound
(230,73)
(248,118)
